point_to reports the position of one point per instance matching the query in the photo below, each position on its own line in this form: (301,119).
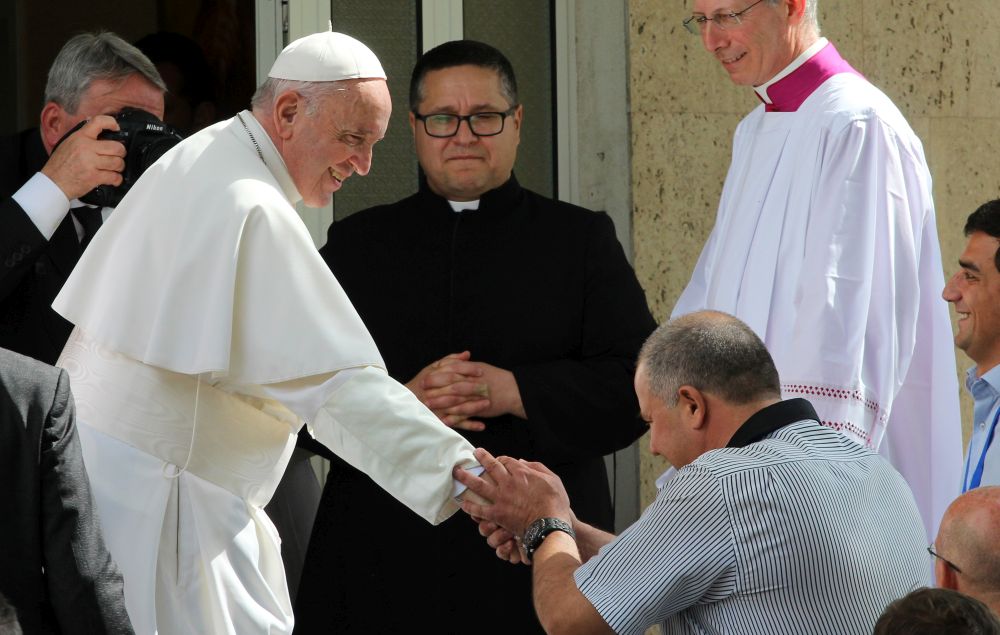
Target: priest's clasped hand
(457,389)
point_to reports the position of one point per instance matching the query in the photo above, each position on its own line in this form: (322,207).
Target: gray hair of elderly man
(812,17)
(89,57)
(713,352)
(312,93)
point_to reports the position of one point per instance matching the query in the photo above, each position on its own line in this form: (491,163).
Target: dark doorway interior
(222,31)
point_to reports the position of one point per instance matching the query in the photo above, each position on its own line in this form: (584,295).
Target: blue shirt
(985,391)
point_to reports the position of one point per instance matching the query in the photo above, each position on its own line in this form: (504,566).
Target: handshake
(523,501)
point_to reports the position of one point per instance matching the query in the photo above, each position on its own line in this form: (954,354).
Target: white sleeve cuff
(457,488)
(43,202)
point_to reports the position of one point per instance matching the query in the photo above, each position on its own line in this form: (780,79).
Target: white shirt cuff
(457,488)
(43,202)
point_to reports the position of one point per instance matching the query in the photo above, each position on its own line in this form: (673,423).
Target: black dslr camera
(145,138)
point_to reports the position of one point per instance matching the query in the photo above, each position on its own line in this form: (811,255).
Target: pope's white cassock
(208,329)
(825,244)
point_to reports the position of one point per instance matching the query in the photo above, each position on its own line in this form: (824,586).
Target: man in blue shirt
(975,292)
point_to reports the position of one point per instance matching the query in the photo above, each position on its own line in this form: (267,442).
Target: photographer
(43,227)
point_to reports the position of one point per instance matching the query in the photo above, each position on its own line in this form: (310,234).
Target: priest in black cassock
(516,318)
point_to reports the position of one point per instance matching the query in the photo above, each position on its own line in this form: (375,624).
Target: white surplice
(208,330)
(825,244)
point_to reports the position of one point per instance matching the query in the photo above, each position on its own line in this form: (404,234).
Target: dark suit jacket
(54,567)
(32,269)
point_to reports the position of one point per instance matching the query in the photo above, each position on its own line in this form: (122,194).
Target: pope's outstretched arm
(378,426)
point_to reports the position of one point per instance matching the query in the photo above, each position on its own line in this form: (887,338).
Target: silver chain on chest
(250,134)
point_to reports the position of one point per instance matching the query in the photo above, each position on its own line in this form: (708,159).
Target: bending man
(771,518)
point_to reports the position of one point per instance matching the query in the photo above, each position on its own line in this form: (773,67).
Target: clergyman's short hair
(986,219)
(88,57)
(713,352)
(812,16)
(936,611)
(461,53)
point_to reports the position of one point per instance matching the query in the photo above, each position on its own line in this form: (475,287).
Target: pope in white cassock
(208,329)
(825,244)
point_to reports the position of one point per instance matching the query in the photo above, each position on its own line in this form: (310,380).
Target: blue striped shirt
(801,532)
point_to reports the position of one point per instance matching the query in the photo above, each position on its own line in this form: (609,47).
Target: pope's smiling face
(465,166)
(975,292)
(325,143)
(758,48)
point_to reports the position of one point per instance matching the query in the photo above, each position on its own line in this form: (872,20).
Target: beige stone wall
(937,59)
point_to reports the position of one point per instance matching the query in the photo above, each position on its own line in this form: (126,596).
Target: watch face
(532,533)
(538,530)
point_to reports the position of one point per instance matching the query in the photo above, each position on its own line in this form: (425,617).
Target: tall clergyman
(825,244)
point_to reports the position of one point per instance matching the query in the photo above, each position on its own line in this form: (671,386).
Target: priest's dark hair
(461,53)
(713,352)
(932,611)
(986,219)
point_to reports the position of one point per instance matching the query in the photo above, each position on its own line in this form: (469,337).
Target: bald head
(968,539)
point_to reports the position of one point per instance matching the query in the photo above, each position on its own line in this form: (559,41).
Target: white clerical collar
(816,47)
(257,137)
(461,206)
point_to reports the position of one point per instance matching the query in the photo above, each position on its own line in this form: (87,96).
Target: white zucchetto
(326,57)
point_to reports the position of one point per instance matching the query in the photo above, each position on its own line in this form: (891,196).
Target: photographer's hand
(82,161)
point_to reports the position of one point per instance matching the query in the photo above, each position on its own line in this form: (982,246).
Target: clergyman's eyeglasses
(696,24)
(482,124)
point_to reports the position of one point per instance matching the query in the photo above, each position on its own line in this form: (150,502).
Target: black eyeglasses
(948,563)
(724,20)
(482,124)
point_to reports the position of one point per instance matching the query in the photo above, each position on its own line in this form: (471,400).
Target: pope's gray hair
(713,352)
(312,93)
(88,57)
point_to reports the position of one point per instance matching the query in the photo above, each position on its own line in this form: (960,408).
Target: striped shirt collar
(771,418)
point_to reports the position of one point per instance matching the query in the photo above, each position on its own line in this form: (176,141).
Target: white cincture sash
(236,445)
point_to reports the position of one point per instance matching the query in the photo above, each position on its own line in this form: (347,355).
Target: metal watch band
(538,530)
